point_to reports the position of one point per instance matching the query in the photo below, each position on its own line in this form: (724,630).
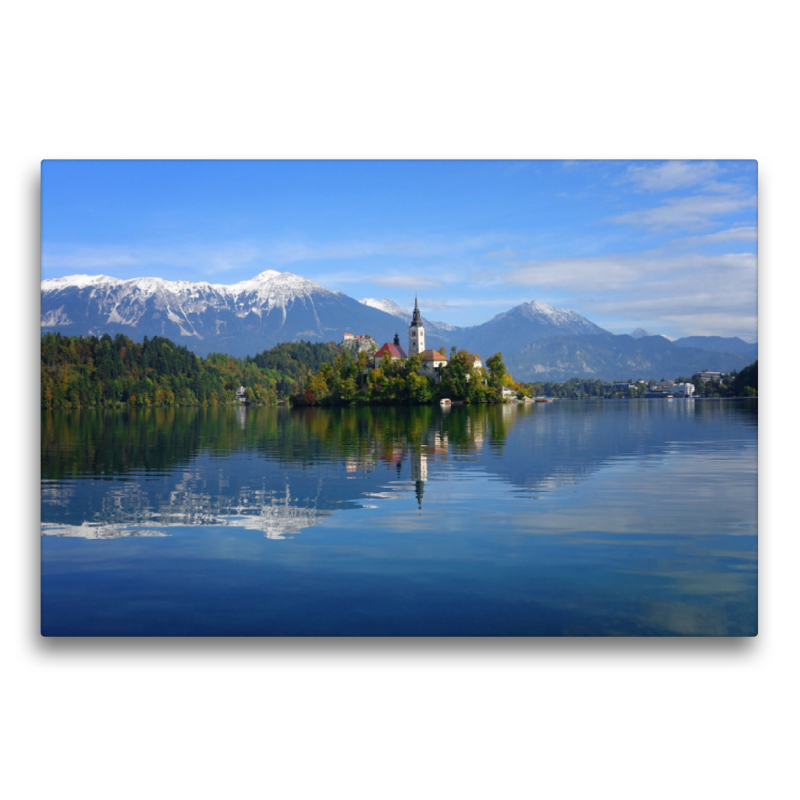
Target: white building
(682,390)
(416,333)
(359,343)
(708,375)
(432,364)
(662,386)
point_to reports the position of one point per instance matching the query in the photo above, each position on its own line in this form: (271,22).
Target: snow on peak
(78,281)
(268,275)
(265,284)
(277,285)
(388,306)
(544,314)
(552,314)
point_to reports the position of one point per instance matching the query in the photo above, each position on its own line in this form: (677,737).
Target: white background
(193,718)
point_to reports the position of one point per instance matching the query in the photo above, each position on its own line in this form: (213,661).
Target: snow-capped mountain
(432,327)
(513,330)
(253,315)
(248,317)
(389,306)
(241,319)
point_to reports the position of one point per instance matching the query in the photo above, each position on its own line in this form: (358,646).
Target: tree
(497,372)
(316,387)
(456,375)
(746,379)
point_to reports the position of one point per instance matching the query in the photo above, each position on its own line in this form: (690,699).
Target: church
(432,361)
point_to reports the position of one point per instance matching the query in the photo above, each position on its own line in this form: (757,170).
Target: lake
(608,518)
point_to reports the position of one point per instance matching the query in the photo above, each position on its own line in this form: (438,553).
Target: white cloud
(671,175)
(437,305)
(88,258)
(228,256)
(208,260)
(606,273)
(685,212)
(681,294)
(745,233)
(402,281)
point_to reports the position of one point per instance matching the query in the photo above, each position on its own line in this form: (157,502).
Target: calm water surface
(576,518)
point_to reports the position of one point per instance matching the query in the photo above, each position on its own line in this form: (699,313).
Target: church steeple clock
(416,333)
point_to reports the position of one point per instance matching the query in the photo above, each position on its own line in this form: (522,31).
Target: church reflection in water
(280,471)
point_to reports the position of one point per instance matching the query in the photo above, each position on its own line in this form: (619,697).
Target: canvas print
(399,398)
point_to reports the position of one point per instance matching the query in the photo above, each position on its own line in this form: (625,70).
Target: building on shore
(357,344)
(390,351)
(416,332)
(682,390)
(661,386)
(433,363)
(707,375)
(476,361)
(619,387)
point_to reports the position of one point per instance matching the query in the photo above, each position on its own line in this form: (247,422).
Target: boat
(670,397)
(445,401)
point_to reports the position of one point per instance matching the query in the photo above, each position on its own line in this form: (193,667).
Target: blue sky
(667,245)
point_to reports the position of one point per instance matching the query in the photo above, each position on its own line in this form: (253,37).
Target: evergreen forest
(86,372)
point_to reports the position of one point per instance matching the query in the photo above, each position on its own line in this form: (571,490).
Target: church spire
(416,333)
(416,319)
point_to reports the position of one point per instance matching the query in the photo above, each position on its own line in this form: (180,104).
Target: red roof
(433,355)
(392,350)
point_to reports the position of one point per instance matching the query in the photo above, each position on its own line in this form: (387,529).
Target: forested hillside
(81,372)
(293,361)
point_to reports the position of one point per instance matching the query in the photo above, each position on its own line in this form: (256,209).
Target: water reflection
(576,518)
(280,471)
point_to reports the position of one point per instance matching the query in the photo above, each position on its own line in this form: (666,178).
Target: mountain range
(617,358)
(538,341)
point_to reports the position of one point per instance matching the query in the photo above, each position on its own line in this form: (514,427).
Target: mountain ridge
(608,357)
(273,307)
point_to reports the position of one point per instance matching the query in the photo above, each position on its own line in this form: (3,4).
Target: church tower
(416,333)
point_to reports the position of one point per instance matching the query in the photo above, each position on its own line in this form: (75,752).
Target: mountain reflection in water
(674,482)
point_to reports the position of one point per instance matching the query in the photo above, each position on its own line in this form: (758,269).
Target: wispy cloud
(745,233)
(613,272)
(436,305)
(671,175)
(500,254)
(91,258)
(685,212)
(430,246)
(681,293)
(206,260)
(403,281)
(226,256)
